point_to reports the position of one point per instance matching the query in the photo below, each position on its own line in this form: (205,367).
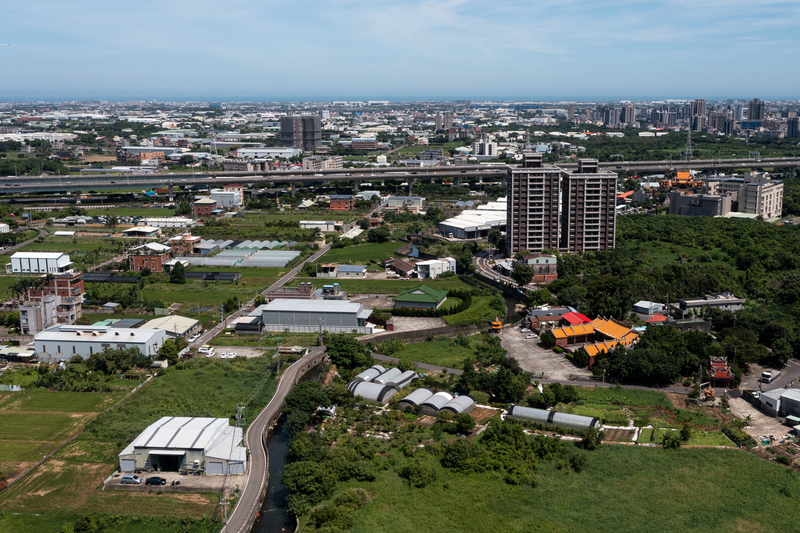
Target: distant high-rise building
(571,112)
(550,207)
(611,116)
(729,127)
(588,115)
(738,112)
(448,121)
(755,110)
(439,122)
(698,108)
(627,114)
(793,128)
(301,131)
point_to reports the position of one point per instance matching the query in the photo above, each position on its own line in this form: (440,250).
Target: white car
(525,330)
(209,354)
(224,355)
(231,355)
(531,336)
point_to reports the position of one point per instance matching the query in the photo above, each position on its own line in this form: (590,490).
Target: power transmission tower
(689,144)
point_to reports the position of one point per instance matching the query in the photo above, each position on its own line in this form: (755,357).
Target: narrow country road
(42,233)
(241,517)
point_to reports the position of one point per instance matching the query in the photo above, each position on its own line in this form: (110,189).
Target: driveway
(533,357)
(761,424)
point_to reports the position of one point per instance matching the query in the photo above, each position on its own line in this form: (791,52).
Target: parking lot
(533,357)
(241,351)
(187,483)
(760,424)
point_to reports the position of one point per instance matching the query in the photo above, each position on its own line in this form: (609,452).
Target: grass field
(362,253)
(379,286)
(622,488)
(620,396)
(699,438)
(35,522)
(480,312)
(21,426)
(440,352)
(68,402)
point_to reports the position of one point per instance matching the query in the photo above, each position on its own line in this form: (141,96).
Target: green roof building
(420,297)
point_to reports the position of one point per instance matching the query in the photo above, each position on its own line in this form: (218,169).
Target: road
(481,262)
(42,233)
(219,328)
(256,480)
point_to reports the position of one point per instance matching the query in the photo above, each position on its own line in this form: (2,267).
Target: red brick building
(344,202)
(183,244)
(151,255)
(204,207)
(67,285)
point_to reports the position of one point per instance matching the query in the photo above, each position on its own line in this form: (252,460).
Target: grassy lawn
(620,396)
(699,438)
(35,522)
(440,352)
(362,253)
(65,244)
(276,339)
(259,218)
(24,451)
(479,313)
(69,402)
(380,286)
(622,488)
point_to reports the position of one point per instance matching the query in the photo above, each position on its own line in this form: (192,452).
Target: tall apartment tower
(551,207)
(755,110)
(698,108)
(448,121)
(301,131)
(439,122)
(793,128)
(628,114)
(571,112)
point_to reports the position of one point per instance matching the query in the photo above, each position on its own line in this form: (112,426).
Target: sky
(399,50)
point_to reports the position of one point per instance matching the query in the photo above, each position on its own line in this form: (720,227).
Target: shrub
(418,475)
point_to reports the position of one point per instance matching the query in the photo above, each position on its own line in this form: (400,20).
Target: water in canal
(273,517)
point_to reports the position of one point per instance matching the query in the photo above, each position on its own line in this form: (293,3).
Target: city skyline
(400,51)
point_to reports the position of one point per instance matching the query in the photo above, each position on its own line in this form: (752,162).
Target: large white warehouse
(39,263)
(63,341)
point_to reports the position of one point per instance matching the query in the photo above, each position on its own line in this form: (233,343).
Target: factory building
(314,316)
(63,341)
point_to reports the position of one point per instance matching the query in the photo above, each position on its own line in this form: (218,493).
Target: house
(351,271)
(647,308)
(184,244)
(341,202)
(574,319)
(545,267)
(420,297)
(142,232)
(151,255)
(204,207)
(174,325)
(304,291)
(719,300)
(327,270)
(404,269)
(435,267)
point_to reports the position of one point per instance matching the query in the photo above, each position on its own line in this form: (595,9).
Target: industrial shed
(373,392)
(459,404)
(388,377)
(404,379)
(370,373)
(553,418)
(415,399)
(176,443)
(432,405)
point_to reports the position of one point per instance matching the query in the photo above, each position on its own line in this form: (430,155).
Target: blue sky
(407,49)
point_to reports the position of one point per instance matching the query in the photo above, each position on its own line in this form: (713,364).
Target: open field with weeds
(362,253)
(378,286)
(441,352)
(699,438)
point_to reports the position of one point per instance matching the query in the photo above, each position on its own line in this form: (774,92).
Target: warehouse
(63,341)
(421,297)
(370,373)
(459,404)
(415,399)
(387,377)
(553,418)
(314,316)
(172,444)
(476,223)
(39,263)
(174,325)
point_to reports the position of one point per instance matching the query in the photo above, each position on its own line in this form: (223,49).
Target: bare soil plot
(619,435)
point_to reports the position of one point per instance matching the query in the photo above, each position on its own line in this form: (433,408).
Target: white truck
(769,376)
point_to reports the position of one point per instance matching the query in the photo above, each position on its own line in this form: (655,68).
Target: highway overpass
(126,181)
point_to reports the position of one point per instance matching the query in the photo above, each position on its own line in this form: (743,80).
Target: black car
(155,481)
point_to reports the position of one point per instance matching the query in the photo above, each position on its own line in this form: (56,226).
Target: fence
(505,289)
(419,334)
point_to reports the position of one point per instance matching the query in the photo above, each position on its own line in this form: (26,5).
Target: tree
(380,234)
(405,364)
(178,274)
(548,339)
(259,300)
(540,297)
(591,438)
(346,352)
(168,351)
(111,221)
(522,273)
(309,483)
(671,440)
(686,433)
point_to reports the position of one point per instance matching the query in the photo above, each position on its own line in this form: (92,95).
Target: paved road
(42,233)
(481,262)
(219,328)
(788,375)
(256,480)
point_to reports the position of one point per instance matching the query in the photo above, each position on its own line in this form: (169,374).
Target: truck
(768,376)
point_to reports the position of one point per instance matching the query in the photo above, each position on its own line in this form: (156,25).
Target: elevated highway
(127,181)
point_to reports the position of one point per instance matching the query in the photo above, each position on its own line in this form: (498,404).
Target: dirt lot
(246,351)
(619,435)
(533,357)
(761,424)
(187,483)
(374,301)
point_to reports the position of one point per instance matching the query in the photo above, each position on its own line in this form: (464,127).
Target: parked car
(155,481)
(525,330)
(531,336)
(129,479)
(231,355)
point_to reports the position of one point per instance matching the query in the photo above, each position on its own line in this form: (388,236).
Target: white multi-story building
(62,341)
(229,199)
(484,148)
(169,222)
(316,162)
(433,268)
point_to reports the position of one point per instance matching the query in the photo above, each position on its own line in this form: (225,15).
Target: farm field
(621,488)
(362,253)
(377,286)
(67,484)
(710,438)
(478,313)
